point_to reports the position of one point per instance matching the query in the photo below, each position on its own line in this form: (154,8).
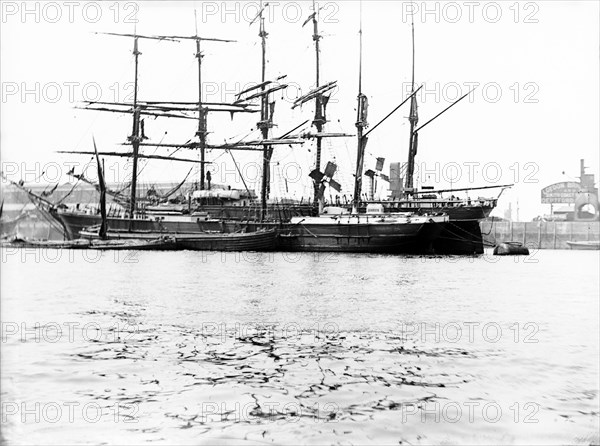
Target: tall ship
(305,227)
(360,228)
(462,233)
(204,208)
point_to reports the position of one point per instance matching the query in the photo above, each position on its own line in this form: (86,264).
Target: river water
(248,348)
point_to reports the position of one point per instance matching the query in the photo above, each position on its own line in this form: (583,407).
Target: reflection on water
(331,349)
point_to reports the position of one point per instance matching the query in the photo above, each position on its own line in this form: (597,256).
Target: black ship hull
(223,218)
(359,240)
(215,235)
(459,236)
(361,235)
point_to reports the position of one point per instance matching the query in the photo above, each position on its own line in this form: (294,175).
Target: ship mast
(413,119)
(135,133)
(102,184)
(361,124)
(265,116)
(202,109)
(135,138)
(202,112)
(167,109)
(319,119)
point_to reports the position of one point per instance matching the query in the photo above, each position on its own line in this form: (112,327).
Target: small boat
(588,245)
(18,242)
(511,249)
(260,240)
(157,244)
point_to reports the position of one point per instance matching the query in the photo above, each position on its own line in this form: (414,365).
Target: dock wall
(540,234)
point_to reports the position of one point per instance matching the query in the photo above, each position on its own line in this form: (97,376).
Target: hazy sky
(534,114)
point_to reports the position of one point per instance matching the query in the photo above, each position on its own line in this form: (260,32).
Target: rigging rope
(75,185)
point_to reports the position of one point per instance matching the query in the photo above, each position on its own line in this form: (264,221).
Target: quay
(540,234)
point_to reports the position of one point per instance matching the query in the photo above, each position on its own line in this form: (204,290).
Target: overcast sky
(534,114)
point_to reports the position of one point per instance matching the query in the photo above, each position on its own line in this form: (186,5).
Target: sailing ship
(462,233)
(99,241)
(361,230)
(46,209)
(261,240)
(370,230)
(141,220)
(204,210)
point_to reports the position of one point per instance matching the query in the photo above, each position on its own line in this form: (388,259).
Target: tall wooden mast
(202,125)
(319,120)
(135,138)
(265,117)
(413,119)
(361,124)
(203,109)
(135,133)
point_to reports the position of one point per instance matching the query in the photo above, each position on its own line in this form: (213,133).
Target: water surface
(205,348)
